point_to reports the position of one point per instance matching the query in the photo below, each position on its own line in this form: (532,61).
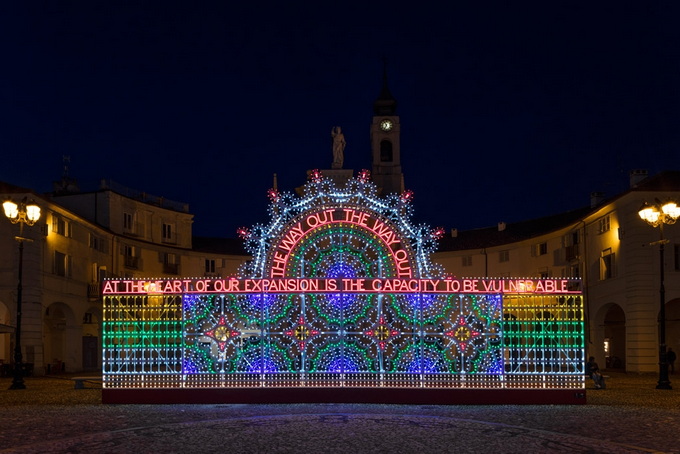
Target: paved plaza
(50,416)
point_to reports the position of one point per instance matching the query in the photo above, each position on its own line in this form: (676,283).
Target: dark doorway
(90,352)
(615,338)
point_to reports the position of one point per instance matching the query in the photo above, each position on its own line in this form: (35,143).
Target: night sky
(509,110)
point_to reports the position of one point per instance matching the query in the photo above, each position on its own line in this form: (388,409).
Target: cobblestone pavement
(51,416)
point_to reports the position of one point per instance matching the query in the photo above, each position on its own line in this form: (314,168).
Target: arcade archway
(615,337)
(60,334)
(673,325)
(5,339)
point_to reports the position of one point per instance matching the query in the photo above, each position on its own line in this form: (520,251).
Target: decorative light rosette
(338,233)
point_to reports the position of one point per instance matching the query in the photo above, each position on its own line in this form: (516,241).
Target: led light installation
(341,292)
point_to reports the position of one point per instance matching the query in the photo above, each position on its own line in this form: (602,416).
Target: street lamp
(22,213)
(657,215)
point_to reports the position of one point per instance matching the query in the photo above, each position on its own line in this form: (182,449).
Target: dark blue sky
(509,110)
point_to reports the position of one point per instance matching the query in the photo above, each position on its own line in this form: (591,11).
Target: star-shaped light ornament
(382,333)
(302,332)
(273,195)
(222,333)
(406,196)
(243,232)
(463,334)
(315,176)
(364,176)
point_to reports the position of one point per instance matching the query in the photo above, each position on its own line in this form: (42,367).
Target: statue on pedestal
(338,147)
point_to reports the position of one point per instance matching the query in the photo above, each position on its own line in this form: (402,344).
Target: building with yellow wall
(608,246)
(82,238)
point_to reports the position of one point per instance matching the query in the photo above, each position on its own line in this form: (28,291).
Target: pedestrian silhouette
(593,370)
(670,357)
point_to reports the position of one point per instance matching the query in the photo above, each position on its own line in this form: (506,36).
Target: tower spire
(385,104)
(385,138)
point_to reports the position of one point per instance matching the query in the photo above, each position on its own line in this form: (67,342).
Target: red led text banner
(362,219)
(340,285)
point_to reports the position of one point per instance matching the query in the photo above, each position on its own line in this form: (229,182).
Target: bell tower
(385,132)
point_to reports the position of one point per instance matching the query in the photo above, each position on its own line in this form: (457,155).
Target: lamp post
(22,213)
(657,215)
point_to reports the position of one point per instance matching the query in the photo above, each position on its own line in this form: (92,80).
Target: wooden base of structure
(346,395)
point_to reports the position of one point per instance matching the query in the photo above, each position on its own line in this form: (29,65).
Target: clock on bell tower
(385,131)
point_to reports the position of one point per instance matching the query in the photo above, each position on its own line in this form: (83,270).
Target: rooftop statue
(338,147)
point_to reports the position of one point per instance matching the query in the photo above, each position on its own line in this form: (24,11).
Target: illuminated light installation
(341,296)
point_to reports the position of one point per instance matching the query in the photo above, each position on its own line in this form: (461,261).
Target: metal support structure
(657,215)
(18,380)
(22,213)
(664,381)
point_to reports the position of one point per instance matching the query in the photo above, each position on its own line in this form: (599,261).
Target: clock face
(386,125)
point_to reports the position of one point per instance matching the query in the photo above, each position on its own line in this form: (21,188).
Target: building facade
(80,239)
(611,249)
(83,237)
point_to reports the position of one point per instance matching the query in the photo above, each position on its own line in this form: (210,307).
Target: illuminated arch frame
(162,372)
(382,230)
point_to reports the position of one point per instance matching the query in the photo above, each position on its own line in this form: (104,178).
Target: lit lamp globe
(26,214)
(658,214)
(32,213)
(11,211)
(672,210)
